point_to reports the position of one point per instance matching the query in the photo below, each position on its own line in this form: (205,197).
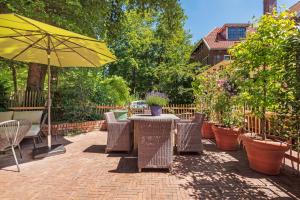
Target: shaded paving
(86,172)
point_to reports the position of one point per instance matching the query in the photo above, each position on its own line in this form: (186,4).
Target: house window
(227,57)
(236,33)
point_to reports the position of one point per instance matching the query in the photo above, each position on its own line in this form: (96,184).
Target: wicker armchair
(119,135)
(154,143)
(188,137)
(11,134)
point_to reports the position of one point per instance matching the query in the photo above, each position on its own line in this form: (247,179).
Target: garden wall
(83,127)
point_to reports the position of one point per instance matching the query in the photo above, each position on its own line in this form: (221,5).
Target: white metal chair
(11,134)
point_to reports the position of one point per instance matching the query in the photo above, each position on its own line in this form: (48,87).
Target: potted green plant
(230,120)
(156,101)
(260,63)
(204,88)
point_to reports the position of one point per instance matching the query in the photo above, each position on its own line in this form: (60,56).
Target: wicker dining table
(172,117)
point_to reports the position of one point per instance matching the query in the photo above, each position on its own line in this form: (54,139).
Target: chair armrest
(43,120)
(187,124)
(184,121)
(118,124)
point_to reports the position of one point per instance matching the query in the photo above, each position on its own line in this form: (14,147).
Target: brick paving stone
(86,172)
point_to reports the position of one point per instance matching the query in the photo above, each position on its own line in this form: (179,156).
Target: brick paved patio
(86,172)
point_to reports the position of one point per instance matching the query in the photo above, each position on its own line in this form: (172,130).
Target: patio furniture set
(17,125)
(154,138)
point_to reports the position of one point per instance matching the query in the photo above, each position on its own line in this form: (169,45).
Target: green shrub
(156,99)
(73,104)
(113,90)
(4,96)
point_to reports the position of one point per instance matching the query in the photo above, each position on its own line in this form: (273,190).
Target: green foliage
(147,36)
(4,96)
(157,99)
(204,87)
(263,65)
(216,96)
(80,90)
(113,90)
(153,57)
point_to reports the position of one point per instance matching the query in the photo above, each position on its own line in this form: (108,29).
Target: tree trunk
(263,120)
(36,77)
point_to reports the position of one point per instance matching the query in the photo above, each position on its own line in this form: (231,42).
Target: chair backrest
(12,132)
(8,133)
(151,127)
(199,118)
(110,117)
(6,116)
(35,117)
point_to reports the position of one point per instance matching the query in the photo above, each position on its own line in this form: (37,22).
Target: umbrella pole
(49,101)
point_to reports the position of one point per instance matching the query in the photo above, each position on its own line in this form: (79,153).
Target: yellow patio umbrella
(27,40)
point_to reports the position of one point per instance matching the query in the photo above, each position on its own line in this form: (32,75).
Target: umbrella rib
(55,52)
(29,38)
(27,48)
(37,47)
(61,41)
(77,53)
(82,38)
(19,29)
(15,36)
(20,17)
(90,49)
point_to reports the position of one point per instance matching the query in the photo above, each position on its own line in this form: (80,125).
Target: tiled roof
(295,7)
(215,41)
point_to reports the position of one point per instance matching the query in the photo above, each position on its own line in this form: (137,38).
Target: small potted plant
(156,101)
(230,120)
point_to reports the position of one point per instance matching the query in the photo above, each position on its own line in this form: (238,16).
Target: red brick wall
(81,126)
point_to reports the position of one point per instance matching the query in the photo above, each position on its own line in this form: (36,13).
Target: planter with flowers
(230,120)
(267,75)
(156,101)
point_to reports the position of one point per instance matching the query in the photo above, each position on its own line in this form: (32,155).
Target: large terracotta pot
(264,156)
(206,130)
(226,138)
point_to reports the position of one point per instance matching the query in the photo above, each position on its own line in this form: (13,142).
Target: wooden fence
(32,98)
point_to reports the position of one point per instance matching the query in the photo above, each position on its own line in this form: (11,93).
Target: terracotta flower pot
(206,130)
(226,138)
(264,156)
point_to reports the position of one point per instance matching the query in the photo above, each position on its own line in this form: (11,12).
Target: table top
(147,116)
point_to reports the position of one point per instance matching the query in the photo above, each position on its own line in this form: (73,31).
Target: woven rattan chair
(188,137)
(119,135)
(154,143)
(11,134)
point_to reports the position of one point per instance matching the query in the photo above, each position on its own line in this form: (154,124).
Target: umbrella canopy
(28,40)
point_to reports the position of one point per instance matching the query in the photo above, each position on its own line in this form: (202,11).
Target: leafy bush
(156,99)
(4,96)
(113,90)
(73,105)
